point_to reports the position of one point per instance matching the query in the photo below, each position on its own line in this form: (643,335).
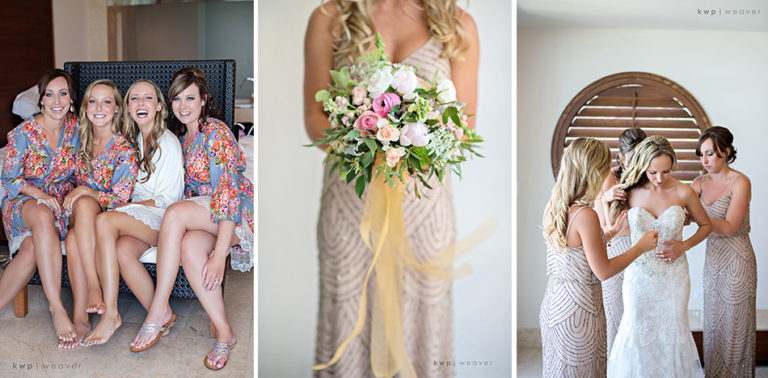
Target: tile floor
(29,347)
(529,364)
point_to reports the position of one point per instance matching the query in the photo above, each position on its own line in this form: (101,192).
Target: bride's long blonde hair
(583,168)
(354,33)
(634,176)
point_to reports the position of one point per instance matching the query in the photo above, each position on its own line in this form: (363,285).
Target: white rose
(404,81)
(379,81)
(446,90)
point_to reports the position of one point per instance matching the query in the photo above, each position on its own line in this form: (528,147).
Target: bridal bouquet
(381,110)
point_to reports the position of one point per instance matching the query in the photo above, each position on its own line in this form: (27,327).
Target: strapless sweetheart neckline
(660,215)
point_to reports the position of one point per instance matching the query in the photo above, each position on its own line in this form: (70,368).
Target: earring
(71,107)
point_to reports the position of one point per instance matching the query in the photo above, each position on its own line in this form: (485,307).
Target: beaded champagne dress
(571,318)
(344,260)
(730,285)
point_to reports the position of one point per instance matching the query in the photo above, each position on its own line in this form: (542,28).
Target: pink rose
(358,95)
(384,103)
(367,123)
(415,134)
(394,155)
(388,134)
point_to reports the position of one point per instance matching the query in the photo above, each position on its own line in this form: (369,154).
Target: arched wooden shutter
(656,104)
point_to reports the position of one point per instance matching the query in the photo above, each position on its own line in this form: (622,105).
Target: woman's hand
(49,201)
(648,241)
(213,272)
(76,193)
(673,252)
(615,193)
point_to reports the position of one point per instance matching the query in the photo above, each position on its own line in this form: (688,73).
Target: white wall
(289,193)
(725,71)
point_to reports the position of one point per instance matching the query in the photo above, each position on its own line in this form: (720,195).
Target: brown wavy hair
(722,139)
(354,34)
(48,77)
(132,129)
(628,140)
(182,79)
(86,127)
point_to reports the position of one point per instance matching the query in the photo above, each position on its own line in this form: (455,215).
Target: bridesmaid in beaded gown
(338,32)
(730,269)
(572,320)
(612,190)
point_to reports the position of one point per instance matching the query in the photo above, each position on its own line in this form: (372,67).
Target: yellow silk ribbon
(383,226)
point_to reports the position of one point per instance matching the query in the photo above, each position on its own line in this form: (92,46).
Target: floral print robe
(113,172)
(214,166)
(30,160)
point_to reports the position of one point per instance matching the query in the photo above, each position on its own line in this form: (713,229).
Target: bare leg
(45,239)
(109,226)
(136,277)
(195,248)
(17,273)
(77,279)
(84,212)
(179,218)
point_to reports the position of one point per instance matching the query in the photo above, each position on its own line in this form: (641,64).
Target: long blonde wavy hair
(583,168)
(354,33)
(634,176)
(132,129)
(86,127)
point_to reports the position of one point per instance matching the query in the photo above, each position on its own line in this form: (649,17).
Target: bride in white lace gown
(654,338)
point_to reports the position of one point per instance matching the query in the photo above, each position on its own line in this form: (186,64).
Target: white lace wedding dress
(654,338)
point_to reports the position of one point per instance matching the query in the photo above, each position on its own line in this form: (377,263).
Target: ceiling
(750,15)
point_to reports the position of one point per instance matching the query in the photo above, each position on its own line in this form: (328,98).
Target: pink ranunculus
(366,123)
(384,103)
(414,133)
(358,95)
(388,134)
(394,155)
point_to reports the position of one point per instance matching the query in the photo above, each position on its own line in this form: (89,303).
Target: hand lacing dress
(730,285)
(654,338)
(571,318)
(344,260)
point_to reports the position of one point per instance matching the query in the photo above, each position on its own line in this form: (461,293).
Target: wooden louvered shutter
(653,103)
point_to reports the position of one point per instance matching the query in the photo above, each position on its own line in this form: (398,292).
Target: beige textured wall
(79,31)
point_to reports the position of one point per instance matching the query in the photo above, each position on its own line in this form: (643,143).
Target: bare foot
(95,302)
(219,354)
(81,328)
(142,339)
(64,329)
(106,327)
